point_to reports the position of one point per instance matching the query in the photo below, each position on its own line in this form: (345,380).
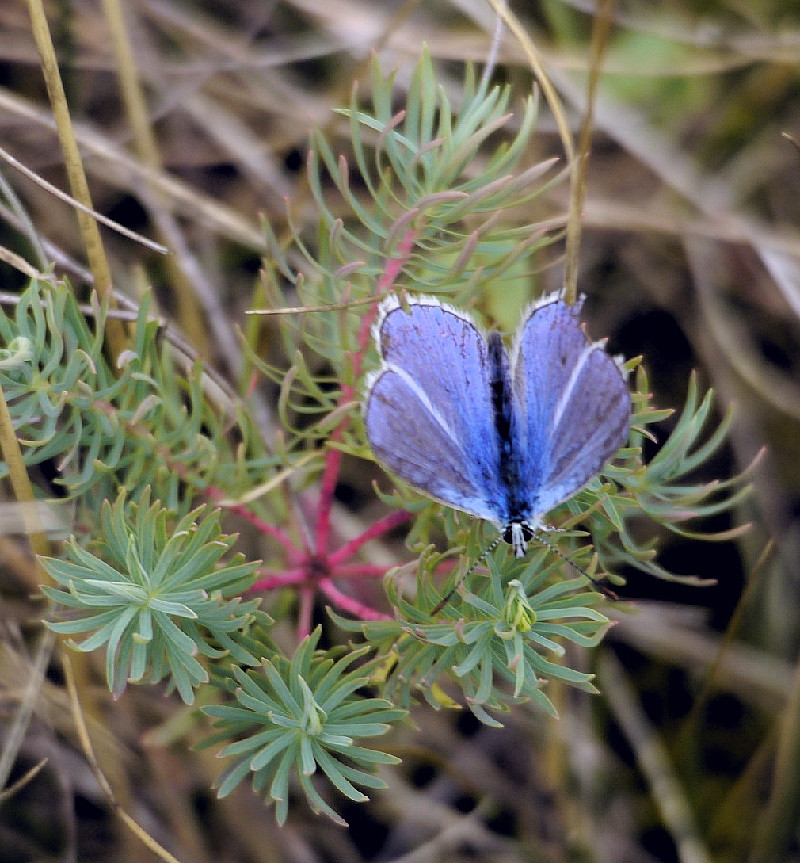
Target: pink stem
(333,460)
(360,570)
(269,529)
(284,579)
(385,283)
(306,609)
(333,457)
(347,603)
(395,265)
(379,528)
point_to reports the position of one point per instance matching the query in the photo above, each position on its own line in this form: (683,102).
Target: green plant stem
(777,828)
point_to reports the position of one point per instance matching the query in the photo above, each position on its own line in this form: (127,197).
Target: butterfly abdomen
(508,426)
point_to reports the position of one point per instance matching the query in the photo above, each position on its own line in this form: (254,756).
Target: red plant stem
(380,527)
(306,610)
(300,577)
(361,570)
(395,265)
(347,603)
(264,527)
(284,579)
(269,529)
(333,457)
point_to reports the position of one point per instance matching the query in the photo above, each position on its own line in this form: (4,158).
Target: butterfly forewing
(574,400)
(428,413)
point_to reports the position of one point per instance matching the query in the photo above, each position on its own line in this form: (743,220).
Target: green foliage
(144,427)
(154,595)
(421,175)
(52,368)
(662,489)
(427,175)
(295,717)
(434,209)
(495,635)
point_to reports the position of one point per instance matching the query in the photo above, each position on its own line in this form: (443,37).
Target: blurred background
(690,256)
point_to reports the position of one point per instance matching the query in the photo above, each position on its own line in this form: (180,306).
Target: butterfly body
(502,435)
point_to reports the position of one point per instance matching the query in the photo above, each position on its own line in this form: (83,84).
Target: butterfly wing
(574,401)
(428,410)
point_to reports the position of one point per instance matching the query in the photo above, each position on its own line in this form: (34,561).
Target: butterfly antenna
(601,588)
(481,557)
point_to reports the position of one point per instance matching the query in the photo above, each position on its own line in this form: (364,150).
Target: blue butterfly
(502,435)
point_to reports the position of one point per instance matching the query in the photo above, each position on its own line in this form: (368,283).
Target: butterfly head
(518,534)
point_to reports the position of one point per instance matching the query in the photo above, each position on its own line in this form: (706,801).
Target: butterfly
(504,435)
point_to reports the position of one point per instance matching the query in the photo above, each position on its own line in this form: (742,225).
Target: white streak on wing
(573,378)
(423,397)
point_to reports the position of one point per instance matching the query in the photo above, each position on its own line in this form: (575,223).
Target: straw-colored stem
(532,55)
(189,314)
(88,750)
(21,484)
(95,253)
(602,24)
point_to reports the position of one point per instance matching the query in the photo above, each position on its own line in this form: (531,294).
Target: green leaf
(175,617)
(285,719)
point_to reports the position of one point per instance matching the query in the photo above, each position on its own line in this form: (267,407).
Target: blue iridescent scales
(504,435)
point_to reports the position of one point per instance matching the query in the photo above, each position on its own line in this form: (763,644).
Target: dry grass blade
(653,759)
(88,751)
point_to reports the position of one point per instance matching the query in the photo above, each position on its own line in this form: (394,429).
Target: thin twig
(23,221)
(777,827)
(304,310)
(529,49)
(77,205)
(25,779)
(602,25)
(491,59)
(21,265)
(16,732)
(88,751)
(116,337)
